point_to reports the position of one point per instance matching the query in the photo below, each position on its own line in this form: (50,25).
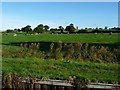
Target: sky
(54,14)
(60,0)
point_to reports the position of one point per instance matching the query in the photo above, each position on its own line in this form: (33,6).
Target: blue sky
(54,14)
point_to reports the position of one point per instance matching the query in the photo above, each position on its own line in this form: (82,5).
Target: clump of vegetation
(81,82)
(116,53)
(66,51)
(7,81)
(23,53)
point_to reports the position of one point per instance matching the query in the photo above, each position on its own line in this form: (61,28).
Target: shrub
(116,53)
(85,53)
(58,54)
(104,54)
(92,53)
(77,51)
(81,82)
(67,51)
(7,81)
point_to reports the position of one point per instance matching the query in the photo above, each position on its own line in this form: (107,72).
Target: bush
(66,51)
(81,82)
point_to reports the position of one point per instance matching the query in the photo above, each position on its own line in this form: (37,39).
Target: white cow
(15,35)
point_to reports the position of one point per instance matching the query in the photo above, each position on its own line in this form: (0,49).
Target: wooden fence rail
(58,85)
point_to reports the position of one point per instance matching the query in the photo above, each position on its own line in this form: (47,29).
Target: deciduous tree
(26,29)
(46,27)
(70,28)
(39,29)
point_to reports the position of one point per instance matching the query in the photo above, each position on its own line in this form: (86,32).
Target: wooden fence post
(77,88)
(68,88)
(48,87)
(54,87)
(31,84)
(60,87)
(44,87)
(37,86)
(23,85)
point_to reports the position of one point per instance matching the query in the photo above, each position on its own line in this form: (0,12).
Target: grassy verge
(60,69)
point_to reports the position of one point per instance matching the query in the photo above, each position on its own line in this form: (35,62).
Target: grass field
(71,38)
(37,67)
(60,69)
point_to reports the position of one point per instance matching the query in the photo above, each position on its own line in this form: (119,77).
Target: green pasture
(71,38)
(61,69)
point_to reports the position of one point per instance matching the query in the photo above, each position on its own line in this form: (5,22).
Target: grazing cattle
(96,33)
(110,33)
(15,35)
(36,33)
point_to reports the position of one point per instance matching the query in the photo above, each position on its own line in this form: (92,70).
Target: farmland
(31,61)
(82,38)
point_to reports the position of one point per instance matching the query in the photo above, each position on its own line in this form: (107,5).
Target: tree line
(68,29)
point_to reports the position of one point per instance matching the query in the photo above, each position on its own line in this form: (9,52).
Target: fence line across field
(40,85)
